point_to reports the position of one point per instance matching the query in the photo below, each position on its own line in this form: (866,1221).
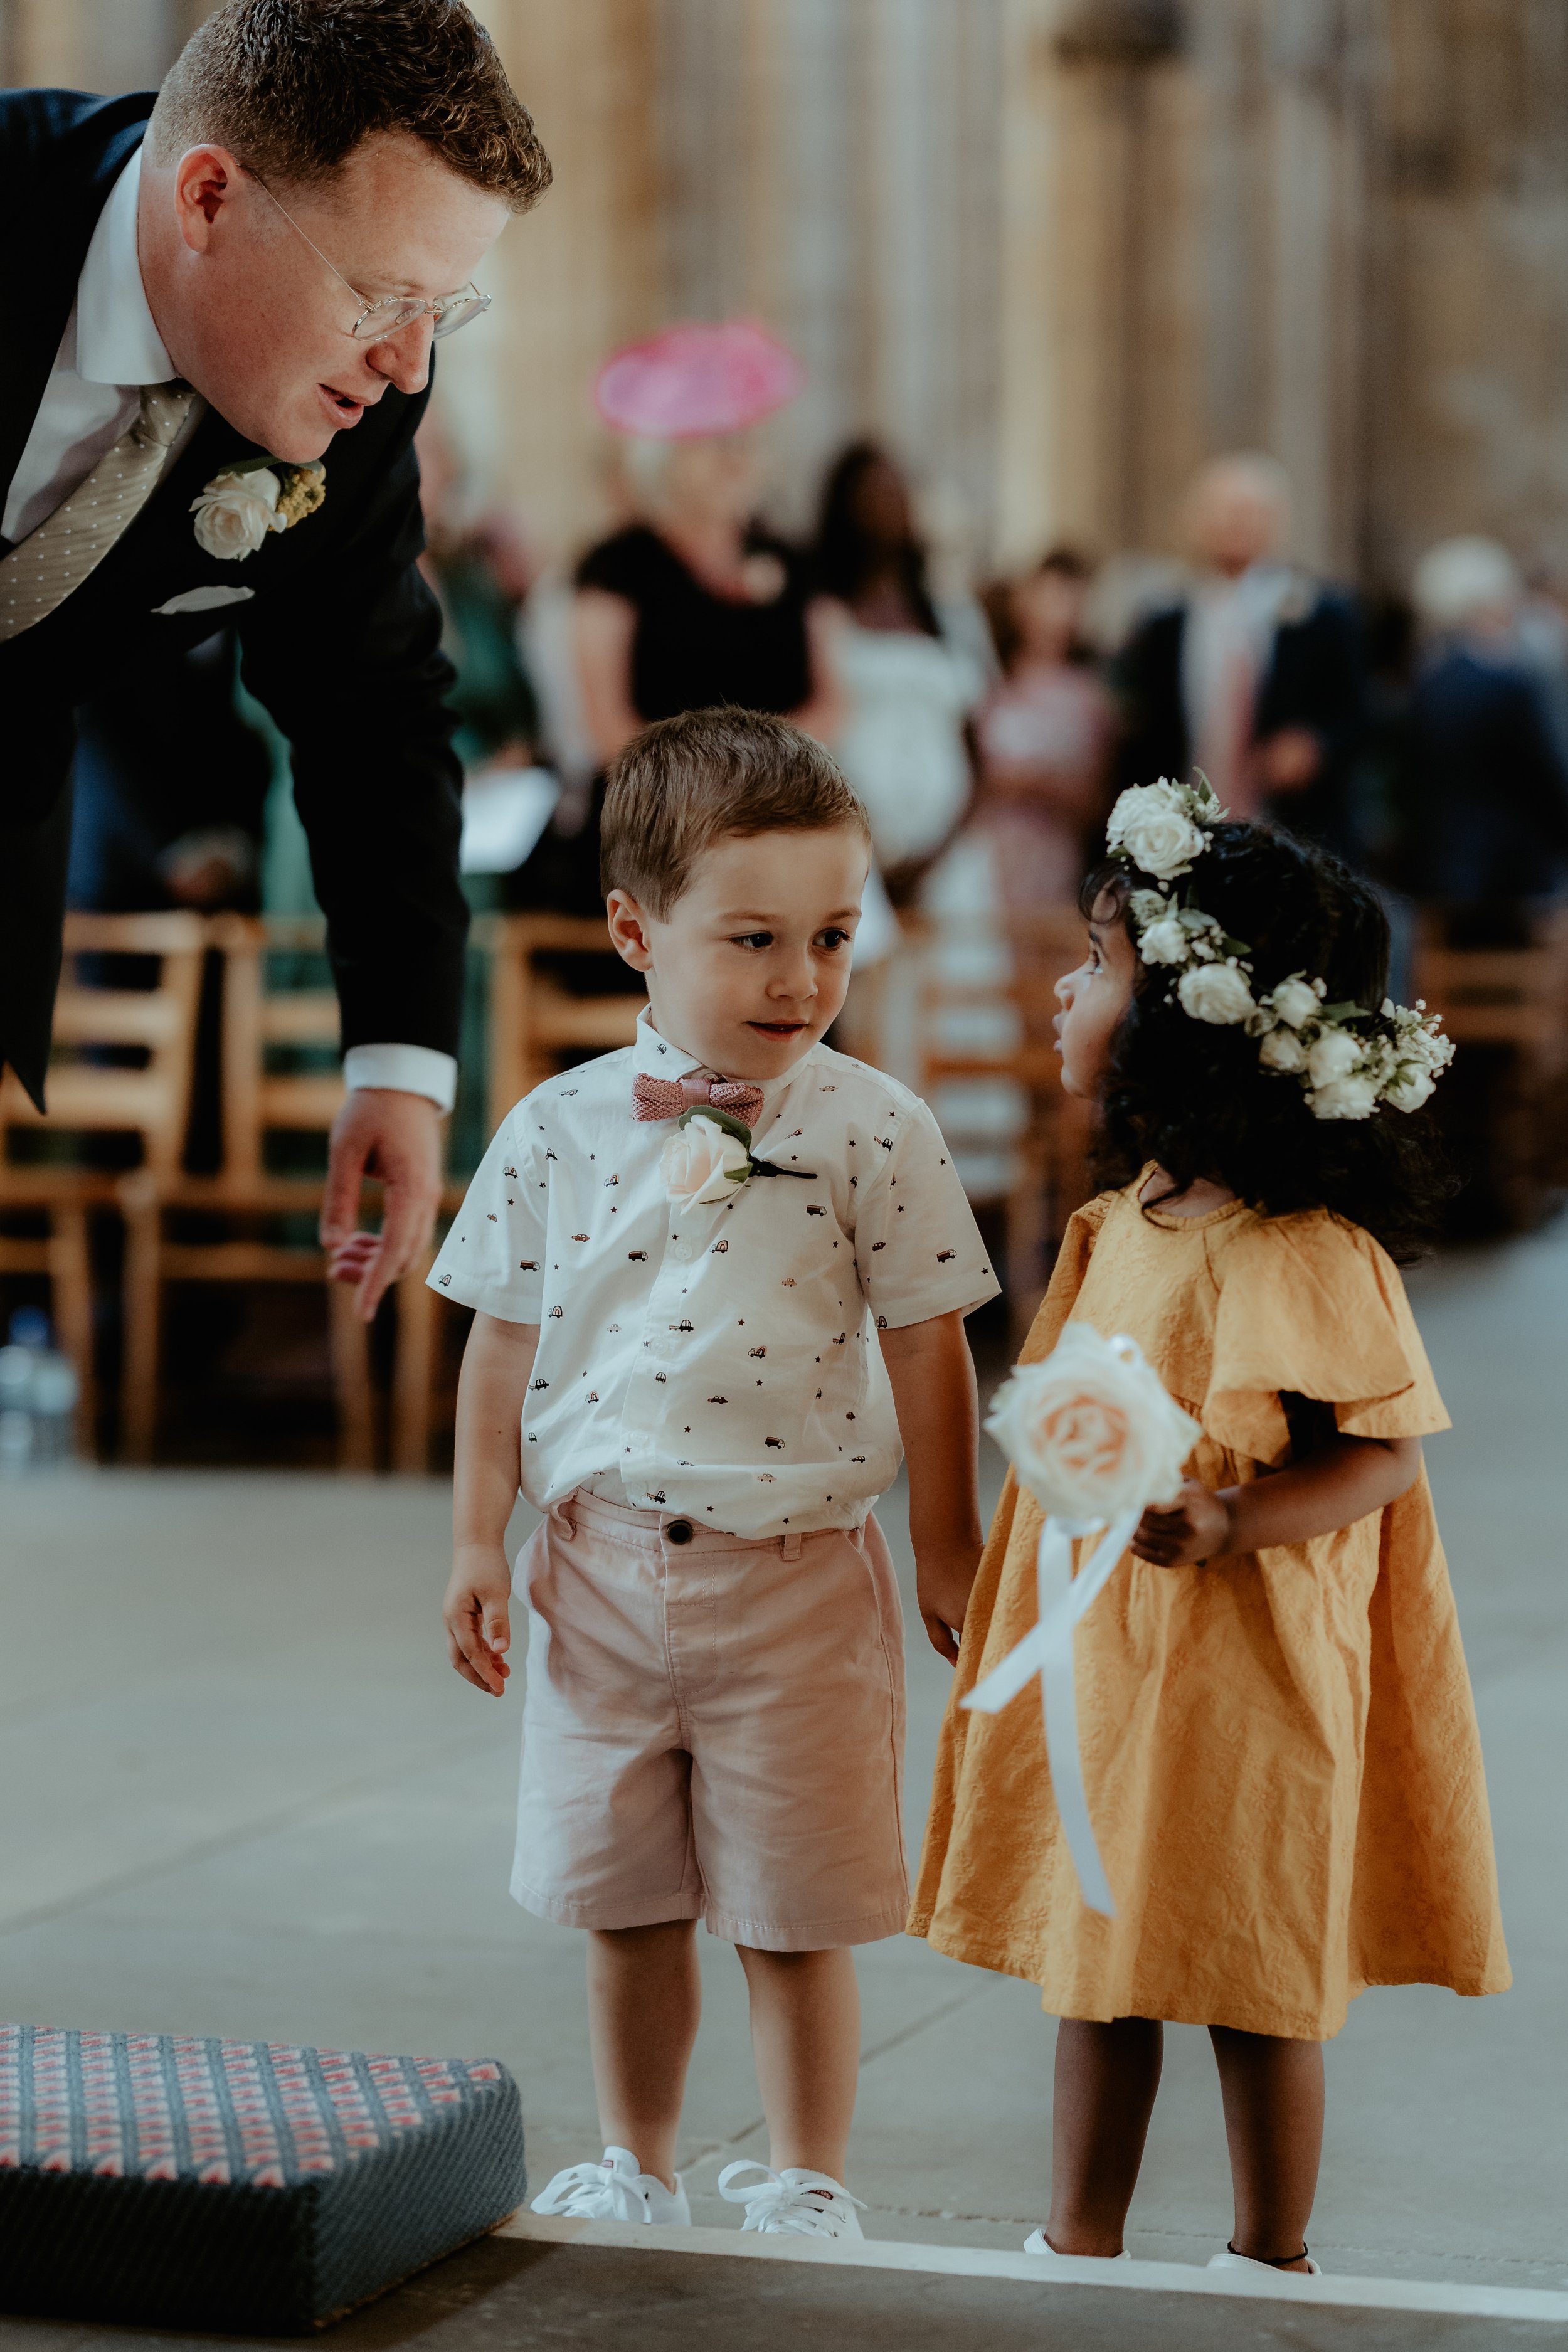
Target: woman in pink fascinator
(691,603)
(694,602)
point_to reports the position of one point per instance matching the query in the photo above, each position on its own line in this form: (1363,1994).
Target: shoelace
(592,2192)
(783,2205)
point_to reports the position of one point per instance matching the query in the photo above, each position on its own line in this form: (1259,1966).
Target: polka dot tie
(43,569)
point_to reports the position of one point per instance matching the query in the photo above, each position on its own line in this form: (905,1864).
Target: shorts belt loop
(565,1516)
(790,1547)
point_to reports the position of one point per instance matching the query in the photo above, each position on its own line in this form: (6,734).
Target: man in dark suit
(220,315)
(1256,676)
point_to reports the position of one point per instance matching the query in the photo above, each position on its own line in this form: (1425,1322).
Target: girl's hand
(477,1614)
(1186,1533)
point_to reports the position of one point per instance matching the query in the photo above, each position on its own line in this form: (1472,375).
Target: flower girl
(1278,1743)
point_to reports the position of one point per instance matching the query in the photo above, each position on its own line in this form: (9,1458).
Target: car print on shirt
(813,1211)
(539,1384)
(759,1351)
(944,1256)
(777,1443)
(718,1400)
(509,1172)
(556,1313)
(718,1249)
(637,1257)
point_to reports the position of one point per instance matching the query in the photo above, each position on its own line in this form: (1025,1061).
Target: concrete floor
(241,1794)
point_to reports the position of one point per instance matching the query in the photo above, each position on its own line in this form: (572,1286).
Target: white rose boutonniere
(240,506)
(703,1161)
(710,1157)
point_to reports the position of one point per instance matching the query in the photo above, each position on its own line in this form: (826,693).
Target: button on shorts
(713,1729)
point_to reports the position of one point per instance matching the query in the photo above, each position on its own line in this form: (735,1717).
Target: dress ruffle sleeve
(1312,1306)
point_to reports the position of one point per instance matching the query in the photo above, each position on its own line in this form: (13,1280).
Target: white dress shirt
(111,348)
(721,1358)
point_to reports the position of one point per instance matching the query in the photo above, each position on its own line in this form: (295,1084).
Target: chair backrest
(534,1018)
(258,1100)
(1502,995)
(88,1093)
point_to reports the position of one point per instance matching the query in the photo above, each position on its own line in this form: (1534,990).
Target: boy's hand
(944,1581)
(1195,1527)
(478,1619)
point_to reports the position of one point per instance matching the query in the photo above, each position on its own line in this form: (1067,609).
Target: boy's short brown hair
(292,85)
(688,782)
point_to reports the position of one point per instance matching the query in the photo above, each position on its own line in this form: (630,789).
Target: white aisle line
(982,2262)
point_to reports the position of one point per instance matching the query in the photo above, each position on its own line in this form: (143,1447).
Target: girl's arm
(933,1376)
(498,1364)
(1342,1481)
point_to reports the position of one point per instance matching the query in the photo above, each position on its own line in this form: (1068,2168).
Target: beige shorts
(713,1728)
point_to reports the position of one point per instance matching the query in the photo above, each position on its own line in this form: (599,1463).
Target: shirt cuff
(408,1070)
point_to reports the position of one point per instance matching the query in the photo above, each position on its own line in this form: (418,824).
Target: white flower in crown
(1091,1431)
(1354,1095)
(703,1161)
(1161,827)
(1217,993)
(1298,1000)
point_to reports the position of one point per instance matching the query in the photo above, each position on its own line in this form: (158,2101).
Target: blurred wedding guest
(694,602)
(908,681)
(1255,675)
(170,785)
(1045,735)
(1486,775)
(475,561)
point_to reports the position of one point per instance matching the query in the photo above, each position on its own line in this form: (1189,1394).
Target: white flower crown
(1347,1059)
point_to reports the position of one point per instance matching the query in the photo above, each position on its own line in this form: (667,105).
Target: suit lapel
(43,239)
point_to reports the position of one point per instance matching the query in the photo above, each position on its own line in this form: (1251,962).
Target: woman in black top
(695,604)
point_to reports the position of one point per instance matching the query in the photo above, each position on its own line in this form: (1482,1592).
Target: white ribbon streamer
(1047,1651)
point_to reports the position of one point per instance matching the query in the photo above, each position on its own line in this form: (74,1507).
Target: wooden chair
(535,1022)
(89,1094)
(259,1101)
(1513,1000)
(985,1002)
(536,1026)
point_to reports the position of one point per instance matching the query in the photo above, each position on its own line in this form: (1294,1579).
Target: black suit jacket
(340,640)
(1314,679)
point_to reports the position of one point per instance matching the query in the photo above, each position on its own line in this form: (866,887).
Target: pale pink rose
(1091,1431)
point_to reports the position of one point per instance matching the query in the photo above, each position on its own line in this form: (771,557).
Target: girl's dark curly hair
(1194,1097)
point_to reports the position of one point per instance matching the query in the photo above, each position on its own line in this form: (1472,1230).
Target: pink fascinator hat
(694,380)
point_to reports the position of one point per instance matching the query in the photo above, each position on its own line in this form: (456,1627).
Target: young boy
(698,1357)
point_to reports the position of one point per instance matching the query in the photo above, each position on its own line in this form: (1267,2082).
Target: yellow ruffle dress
(1279,1749)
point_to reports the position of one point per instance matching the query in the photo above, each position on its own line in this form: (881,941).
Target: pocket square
(203,600)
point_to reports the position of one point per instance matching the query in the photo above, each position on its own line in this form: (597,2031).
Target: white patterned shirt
(721,1358)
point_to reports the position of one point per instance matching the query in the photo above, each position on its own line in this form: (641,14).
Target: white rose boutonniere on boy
(240,506)
(710,1157)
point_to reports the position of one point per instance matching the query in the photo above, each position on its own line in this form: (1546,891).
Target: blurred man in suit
(218,348)
(1256,675)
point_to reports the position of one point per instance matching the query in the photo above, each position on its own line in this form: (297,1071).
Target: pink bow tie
(667,1097)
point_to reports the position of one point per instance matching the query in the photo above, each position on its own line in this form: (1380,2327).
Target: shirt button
(681,1252)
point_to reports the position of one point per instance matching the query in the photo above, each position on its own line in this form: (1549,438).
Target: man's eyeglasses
(393,312)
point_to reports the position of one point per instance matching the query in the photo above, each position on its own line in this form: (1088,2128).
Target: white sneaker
(616,2191)
(1231,2261)
(795,2203)
(1039,2243)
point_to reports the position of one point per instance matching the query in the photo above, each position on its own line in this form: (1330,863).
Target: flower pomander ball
(703,1161)
(236,511)
(1091,1431)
